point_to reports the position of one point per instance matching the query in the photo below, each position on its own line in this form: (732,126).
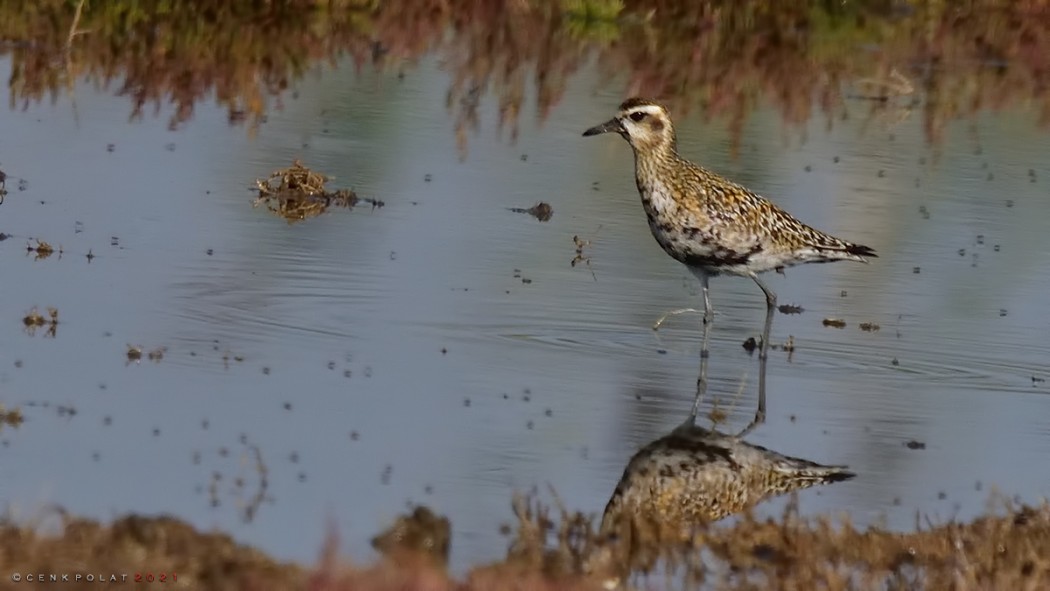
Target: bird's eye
(637,116)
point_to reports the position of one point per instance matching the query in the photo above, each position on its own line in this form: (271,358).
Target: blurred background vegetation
(942,59)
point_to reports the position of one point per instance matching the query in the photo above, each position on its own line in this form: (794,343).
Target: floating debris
(835,322)
(35,320)
(42,249)
(913,444)
(22,185)
(790,309)
(134,354)
(869,327)
(541,211)
(157,354)
(580,257)
(11,417)
(751,344)
(297,193)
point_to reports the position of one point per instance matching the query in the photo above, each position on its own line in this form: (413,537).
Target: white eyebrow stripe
(648,109)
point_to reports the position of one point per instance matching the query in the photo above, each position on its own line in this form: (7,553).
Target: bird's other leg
(701,380)
(760,412)
(771,305)
(659,322)
(708,311)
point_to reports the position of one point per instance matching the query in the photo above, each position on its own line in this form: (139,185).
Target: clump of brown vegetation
(297,193)
(1009,548)
(138,545)
(421,533)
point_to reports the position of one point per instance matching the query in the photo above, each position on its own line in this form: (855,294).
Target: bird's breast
(680,232)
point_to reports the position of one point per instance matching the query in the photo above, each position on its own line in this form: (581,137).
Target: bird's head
(645,124)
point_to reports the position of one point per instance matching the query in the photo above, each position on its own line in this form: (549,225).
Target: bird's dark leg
(771,305)
(709,312)
(701,380)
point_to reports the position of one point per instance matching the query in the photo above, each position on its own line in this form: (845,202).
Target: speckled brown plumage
(694,475)
(707,222)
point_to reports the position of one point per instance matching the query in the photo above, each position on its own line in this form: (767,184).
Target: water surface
(442,349)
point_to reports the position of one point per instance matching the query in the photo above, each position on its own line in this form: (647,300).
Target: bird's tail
(828,248)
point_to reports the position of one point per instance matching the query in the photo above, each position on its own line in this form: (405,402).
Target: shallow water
(396,355)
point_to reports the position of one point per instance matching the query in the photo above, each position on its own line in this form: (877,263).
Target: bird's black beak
(610,125)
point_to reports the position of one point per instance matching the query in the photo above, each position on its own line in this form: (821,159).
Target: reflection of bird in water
(687,478)
(694,475)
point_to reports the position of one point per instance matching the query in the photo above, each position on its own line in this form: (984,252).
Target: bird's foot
(662,319)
